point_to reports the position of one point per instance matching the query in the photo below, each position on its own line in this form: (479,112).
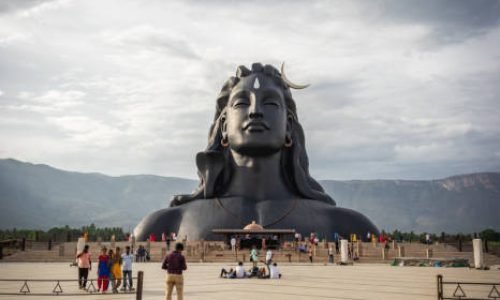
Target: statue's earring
(224,142)
(288,141)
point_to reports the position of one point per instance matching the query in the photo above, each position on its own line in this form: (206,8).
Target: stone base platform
(300,281)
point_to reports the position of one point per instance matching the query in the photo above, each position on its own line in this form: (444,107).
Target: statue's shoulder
(170,219)
(332,218)
(163,220)
(352,220)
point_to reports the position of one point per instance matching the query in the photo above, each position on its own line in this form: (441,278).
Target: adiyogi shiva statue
(255,168)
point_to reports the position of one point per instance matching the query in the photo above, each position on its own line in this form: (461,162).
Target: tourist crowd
(112,267)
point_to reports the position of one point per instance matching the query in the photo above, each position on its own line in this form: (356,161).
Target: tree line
(487,234)
(64,234)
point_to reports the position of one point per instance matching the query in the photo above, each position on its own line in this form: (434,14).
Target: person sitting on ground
(262,273)
(253,272)
(240,270)
(274,272)
(227,274)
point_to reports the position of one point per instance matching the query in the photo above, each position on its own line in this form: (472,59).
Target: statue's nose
(255,109)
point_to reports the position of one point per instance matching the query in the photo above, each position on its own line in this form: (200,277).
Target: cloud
(451,21)
(150,38)
(51,101)
(7,39)
(398,89)
(7,6)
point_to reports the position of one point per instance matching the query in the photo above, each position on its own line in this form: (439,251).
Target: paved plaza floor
(299,281)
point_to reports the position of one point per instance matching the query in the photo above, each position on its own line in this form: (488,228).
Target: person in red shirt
(152,237)
(103,271)
(175,263)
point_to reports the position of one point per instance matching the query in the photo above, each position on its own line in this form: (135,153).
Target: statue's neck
(259,178)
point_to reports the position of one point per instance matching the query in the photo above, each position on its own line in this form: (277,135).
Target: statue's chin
(255,150)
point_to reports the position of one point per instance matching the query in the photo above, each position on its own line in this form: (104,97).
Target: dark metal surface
(460,290)
(27,287)
(255,167)
(140,283)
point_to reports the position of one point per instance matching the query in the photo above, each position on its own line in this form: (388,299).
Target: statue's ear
(223,123)
(289,123)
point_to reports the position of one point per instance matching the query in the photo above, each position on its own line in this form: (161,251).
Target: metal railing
(28,287)
(476,290)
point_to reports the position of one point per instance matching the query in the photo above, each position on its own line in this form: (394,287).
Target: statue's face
(256,116)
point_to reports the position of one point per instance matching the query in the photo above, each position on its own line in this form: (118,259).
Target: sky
(399,89)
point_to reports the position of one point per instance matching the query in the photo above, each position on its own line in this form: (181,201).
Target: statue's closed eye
(272,102)
(241,102)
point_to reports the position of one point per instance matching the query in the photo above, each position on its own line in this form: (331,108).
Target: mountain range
(39,196)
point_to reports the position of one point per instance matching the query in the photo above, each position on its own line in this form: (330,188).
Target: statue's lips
(256,126)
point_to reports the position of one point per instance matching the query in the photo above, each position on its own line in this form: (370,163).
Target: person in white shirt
(240,270)
(233,244)
(269,256)
(127,259)
(274,272)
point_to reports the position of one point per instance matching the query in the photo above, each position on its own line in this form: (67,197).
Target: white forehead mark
(256,83)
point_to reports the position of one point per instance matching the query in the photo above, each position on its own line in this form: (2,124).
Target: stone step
(369,253)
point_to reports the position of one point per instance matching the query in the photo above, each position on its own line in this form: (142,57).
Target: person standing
(269,256)
(127,259)
(152,237)
(116,269)
(132,242)
(233,244)
(103,271)
(175,263)
(80,245)
(330,254)
(254,257)
(168,242)
(111,278)
(84,266)
(311,253)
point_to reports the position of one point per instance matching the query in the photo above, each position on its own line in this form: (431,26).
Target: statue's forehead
(256,82)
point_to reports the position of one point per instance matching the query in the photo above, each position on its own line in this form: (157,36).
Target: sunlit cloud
(398,89)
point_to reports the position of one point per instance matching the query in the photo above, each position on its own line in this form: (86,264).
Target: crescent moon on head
(288,82)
